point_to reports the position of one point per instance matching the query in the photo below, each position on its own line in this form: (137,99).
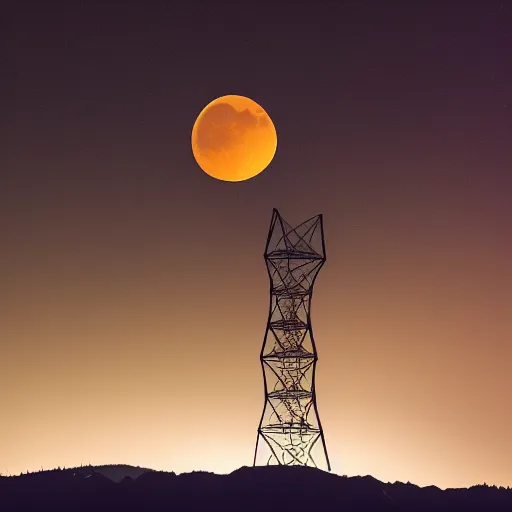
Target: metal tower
(290,432)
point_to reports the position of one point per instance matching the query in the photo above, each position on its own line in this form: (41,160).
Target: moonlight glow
(233,138)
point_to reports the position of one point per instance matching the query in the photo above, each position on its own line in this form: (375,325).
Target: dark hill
(259,489)
(116,472)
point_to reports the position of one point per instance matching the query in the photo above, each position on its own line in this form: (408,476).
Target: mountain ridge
(123,487)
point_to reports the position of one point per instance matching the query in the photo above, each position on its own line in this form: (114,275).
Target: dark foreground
(259,489)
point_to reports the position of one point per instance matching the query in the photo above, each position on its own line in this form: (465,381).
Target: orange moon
(233,138)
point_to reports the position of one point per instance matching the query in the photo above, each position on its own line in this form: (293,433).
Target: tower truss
(290,432)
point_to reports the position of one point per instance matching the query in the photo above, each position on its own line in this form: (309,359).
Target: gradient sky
(134,292)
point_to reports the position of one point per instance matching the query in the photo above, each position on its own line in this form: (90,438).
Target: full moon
(233,138)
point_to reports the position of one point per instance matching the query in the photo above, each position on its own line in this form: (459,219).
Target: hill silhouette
(125,488)
(115,472)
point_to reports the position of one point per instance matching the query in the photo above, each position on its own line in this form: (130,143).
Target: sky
(134,291)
